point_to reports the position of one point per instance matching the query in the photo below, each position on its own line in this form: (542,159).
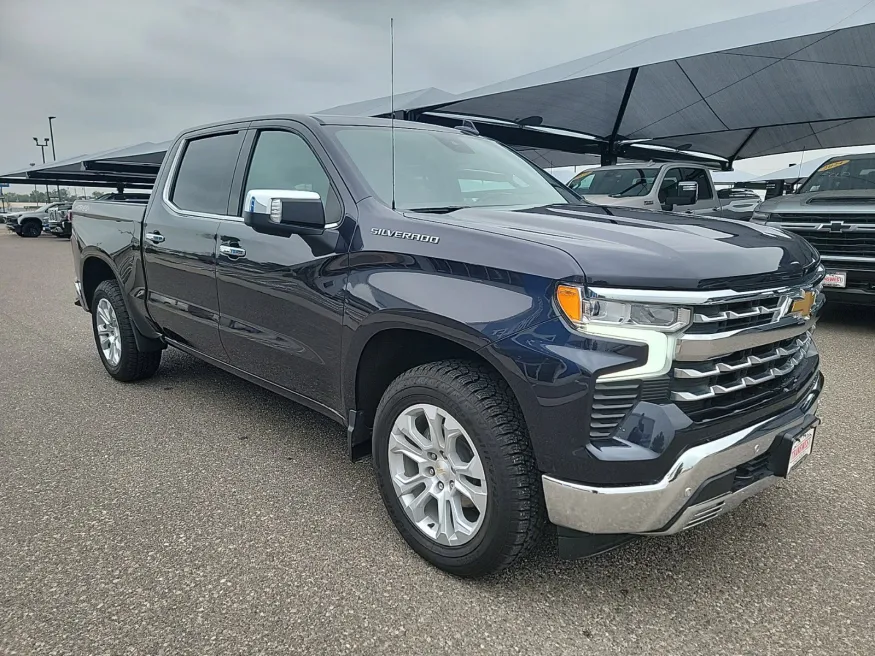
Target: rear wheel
(455,468)
(114,336)
(31,229)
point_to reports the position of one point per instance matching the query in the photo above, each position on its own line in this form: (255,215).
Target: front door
(281,296)
(179,240)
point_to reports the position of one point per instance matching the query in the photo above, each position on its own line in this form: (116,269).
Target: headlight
(584,311)
(760,217)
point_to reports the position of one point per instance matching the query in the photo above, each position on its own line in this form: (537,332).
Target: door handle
(232,251)
(155,237)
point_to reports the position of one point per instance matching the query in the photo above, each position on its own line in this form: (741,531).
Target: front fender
(403,319)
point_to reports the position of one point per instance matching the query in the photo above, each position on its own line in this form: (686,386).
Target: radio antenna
(392,99)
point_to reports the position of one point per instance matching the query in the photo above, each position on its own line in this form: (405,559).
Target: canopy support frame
(609,150)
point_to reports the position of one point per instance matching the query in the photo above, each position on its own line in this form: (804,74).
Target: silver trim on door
(155,237)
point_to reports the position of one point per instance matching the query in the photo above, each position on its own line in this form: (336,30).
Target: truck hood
(818,202)
(636,248)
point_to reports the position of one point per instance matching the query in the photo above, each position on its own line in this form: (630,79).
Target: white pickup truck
(650,186)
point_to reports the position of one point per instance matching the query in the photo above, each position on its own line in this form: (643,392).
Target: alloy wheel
(437,474)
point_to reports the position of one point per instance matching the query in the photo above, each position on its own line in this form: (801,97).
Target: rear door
(179,238)
(281,296)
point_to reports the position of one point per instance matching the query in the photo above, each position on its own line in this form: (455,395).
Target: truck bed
(102,210)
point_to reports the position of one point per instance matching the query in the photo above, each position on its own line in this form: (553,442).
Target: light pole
(42,147)
(54,157)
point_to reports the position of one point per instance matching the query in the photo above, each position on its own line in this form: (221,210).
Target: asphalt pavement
(195,513)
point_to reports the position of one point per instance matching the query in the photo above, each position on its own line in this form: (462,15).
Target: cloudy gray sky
(117,72)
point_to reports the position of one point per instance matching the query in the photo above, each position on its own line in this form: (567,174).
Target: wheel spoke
(435,427)
(472,468)
(397,444)
(476,494)
(406,423)
(407,484)
(459,520)
(416,507)
(445,520)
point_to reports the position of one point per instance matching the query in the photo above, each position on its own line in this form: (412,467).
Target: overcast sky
(117,72)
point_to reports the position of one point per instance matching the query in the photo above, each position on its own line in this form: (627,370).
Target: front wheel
(455,468)
(114,336)
(31,229)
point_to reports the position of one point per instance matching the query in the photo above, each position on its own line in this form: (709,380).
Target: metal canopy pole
(609,149)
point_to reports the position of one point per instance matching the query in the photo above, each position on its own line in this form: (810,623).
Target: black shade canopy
(794,79)
(132,167)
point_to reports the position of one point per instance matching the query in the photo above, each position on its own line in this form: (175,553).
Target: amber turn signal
(569,299)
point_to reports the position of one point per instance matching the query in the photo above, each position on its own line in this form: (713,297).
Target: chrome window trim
(171,178)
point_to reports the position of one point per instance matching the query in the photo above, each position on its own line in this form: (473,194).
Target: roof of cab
(321,119)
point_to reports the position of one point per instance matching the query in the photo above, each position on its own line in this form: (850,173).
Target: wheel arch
(98,268)
(385,349)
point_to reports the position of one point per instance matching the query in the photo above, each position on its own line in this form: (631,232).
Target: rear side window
(203,179)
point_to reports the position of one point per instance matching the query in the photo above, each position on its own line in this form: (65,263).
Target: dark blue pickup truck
(510,355)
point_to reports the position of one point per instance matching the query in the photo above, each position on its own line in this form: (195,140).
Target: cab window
(283,160)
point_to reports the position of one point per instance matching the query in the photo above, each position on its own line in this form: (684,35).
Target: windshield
(840,174)
(436,169)
(619,183)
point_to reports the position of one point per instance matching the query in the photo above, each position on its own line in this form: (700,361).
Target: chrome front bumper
(663,508)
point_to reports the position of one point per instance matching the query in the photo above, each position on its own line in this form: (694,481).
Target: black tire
(133,364)
(31,229)
(482,402)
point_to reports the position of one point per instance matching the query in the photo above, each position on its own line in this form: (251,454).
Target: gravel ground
(198,514)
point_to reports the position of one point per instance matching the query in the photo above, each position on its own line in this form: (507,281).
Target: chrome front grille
(777,356)
(809,218)
(833,234)
(742,352)
(843,244)
(736,315)
(737,381)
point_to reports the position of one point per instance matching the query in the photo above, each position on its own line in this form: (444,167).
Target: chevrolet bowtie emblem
(802,307)
(836,226)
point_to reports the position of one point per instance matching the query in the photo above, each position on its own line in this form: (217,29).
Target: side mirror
(686,193)
(284,212)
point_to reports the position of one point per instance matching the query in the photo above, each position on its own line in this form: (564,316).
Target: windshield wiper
(437,210)
(638,183)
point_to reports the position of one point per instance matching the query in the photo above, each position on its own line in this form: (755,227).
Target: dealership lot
(196,513)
